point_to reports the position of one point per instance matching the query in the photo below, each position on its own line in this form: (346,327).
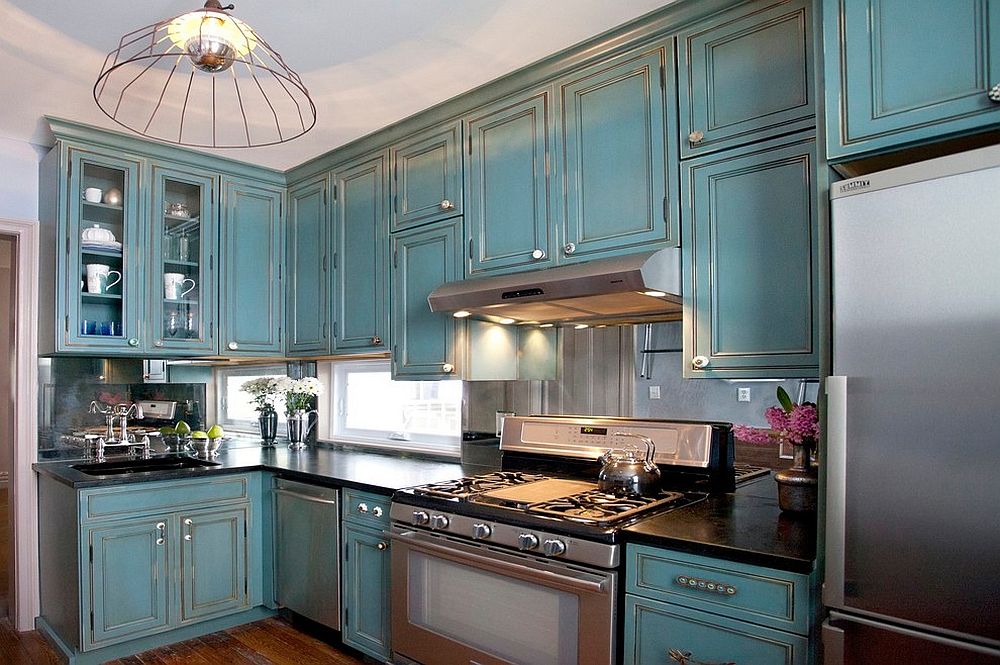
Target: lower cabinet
(365,566)
(213,563)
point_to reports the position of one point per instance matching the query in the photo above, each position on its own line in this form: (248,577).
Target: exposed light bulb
(461,314)
(655,294)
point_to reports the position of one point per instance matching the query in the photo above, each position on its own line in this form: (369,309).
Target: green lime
(182,427)
(199,434)
(167,429)
(215,432)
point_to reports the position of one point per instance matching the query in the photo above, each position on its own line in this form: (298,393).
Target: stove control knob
(481,531)
(554,547)
(419,518)
(439,522)
(527,541)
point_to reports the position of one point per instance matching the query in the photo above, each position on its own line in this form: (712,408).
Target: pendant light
(204,79)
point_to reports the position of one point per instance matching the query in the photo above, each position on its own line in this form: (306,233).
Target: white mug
(173,285)
(98,275)
(93,195)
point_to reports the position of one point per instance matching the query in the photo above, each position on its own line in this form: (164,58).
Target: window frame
(220,378)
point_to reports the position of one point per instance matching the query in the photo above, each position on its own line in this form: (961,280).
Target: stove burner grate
(596,506)
(463,488)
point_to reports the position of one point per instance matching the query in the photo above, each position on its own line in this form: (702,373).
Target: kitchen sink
(119,467)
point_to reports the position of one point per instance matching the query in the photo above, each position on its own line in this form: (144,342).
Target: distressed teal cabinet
(900,72)
(619,156)
(425,343)
(509,215)
(750,261)
(182,242)
(715,611)
(427,177)
(746,75)
(213,563)
(365,565)
(252,266)
(360,296)
(308,289)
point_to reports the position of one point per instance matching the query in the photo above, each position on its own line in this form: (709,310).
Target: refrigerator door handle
(833,644)
(836,489)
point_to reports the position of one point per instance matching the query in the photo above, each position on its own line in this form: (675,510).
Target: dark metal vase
(268,427)
(798,487)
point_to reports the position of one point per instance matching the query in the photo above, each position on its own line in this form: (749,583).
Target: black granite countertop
(745,526)
(381,473)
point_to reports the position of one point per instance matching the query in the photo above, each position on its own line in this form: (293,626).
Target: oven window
(508,618)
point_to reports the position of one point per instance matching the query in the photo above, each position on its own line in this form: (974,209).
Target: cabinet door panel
(213,563)
(509,211)
(615,148)
(425,343)
(745,77)
(362,224)
(895,87)
(427,177)
(307,293)
(750,262)
(366,590)
(252,293)
(98,317)
(128,594)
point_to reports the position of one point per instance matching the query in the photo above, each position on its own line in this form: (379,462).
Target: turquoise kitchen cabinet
(360,265)
(901,72)
(509,203)
(251,265)
(213,563)
(365,563)
(129,580)
(427,177)
(180,271)
(425,344)
(619,156)
(750,261)
(100,315)
(715,611)
(746,75)
(308,288)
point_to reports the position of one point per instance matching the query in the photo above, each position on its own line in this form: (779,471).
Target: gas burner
(596,506)
(464,488)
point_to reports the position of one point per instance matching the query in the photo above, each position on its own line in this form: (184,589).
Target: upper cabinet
(427,177)
(509,218)
(360,295)
(745,75)
(900,72)
(619,156)
(750,259)
(308,288)
(251,269)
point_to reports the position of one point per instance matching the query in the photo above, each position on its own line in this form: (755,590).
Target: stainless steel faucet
(118,415)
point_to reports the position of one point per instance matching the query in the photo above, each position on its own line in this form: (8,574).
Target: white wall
(19,178)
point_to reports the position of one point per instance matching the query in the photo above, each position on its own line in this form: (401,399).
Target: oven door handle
(461,554)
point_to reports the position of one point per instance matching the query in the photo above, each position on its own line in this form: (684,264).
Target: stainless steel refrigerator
(913,457)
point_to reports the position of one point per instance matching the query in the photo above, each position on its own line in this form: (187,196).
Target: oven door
(456,603)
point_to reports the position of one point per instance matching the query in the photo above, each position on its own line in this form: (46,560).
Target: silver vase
(299,428)
(268,427)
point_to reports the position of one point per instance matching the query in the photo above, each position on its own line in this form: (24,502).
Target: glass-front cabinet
(104,283)
(181,271)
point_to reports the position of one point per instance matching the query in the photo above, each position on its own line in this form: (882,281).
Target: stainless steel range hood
(638,288)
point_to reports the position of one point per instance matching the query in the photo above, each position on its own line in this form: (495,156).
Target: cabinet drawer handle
(362,507)
(162,528)
(447,205)
(233,346)
(133,341)
(158,343)
(381,546)
(377,511)
(994,93)
(699,584)
(538,254)
(699,361)
(447,368)
(569,248)
(684,658)
(696,137)
(187,536)
(376,340)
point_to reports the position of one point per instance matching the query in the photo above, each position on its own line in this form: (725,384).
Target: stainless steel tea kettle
(622,472)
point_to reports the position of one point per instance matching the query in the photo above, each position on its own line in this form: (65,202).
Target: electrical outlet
(742,394)
(654,392)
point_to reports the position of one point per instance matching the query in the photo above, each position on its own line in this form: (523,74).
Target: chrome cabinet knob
(188,522)
(699,361)
(696,137)
(447,205)
(187,536)
(362,508)
(481,531)
(376,340)
(447,368)
(439,522)
(994,93)
(377,511)
(232,346)
(419,518)
(569,248)
(158,343)
(553,547)
(538,254)
(381,546)
(133,341)
(527,541)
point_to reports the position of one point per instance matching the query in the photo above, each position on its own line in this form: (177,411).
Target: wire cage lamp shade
(204,79)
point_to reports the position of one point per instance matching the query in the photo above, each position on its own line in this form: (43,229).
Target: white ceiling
(366,63)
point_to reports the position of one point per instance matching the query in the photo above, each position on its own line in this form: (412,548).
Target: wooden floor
(267,642)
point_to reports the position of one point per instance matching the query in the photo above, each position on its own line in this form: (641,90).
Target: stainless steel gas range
(521,565)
